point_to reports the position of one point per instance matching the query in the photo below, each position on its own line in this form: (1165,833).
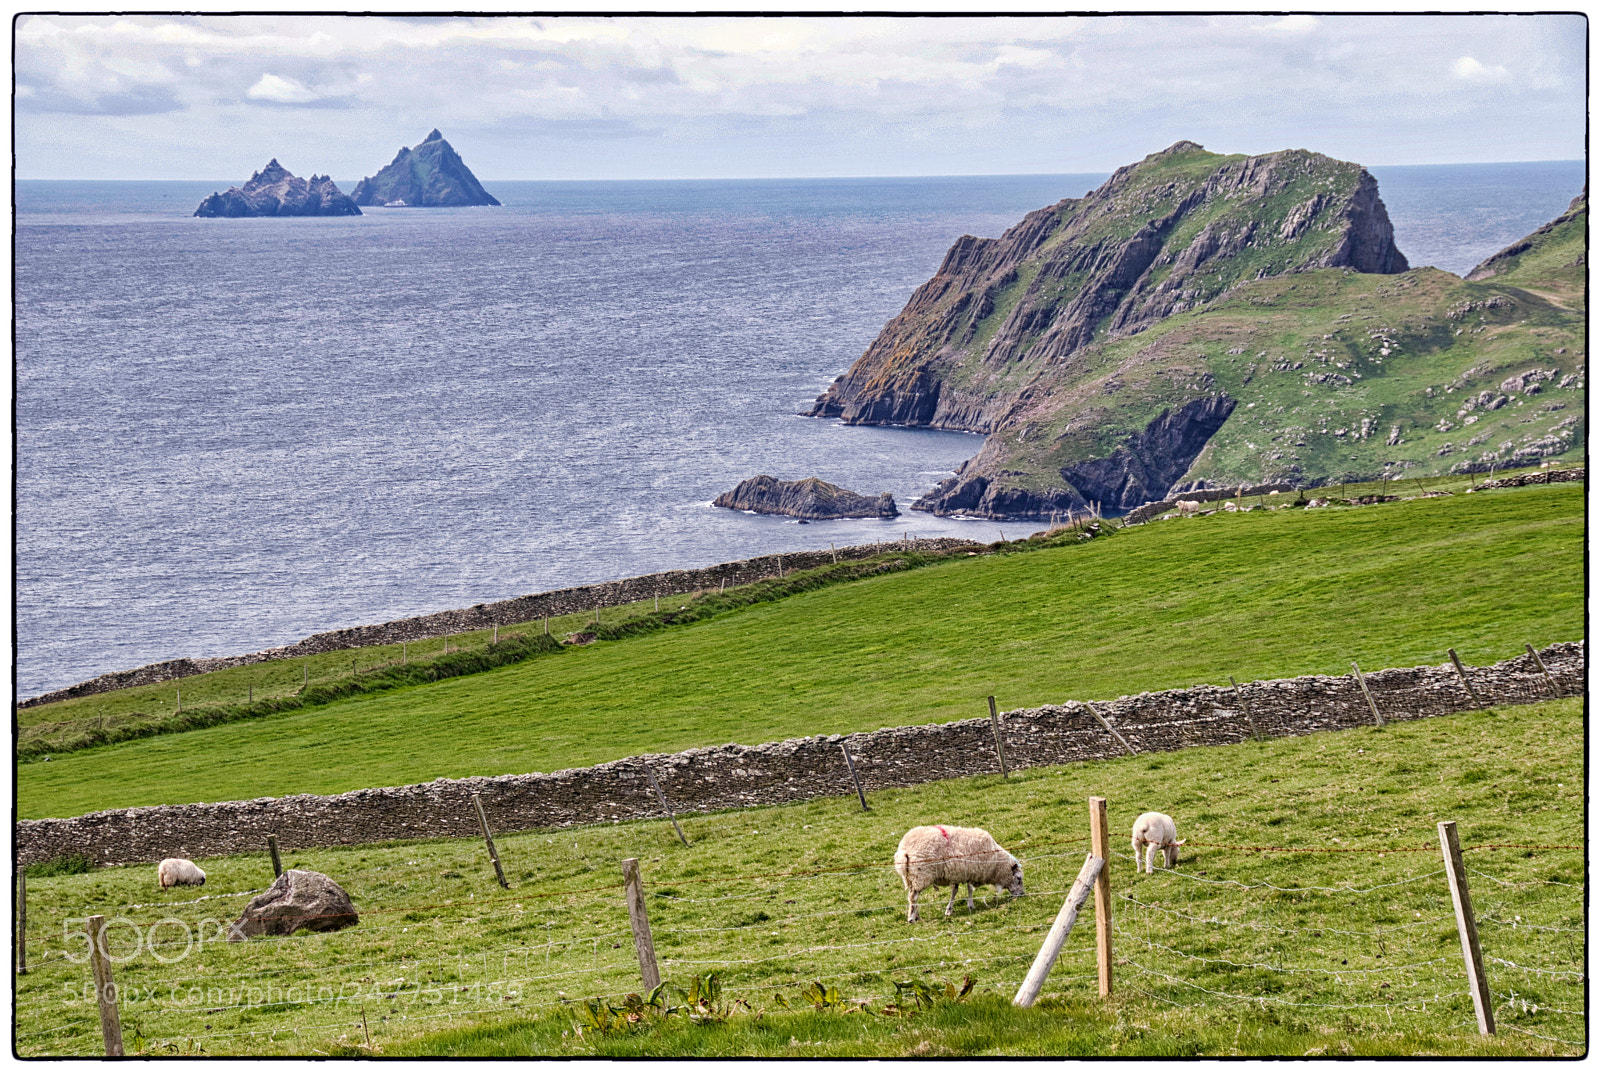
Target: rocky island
(810,499)
(432,175)
(273,191)
(1202,320)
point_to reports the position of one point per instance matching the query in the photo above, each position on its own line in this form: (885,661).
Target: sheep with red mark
(949,856)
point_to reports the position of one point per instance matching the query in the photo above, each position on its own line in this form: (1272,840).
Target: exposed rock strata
(432,175)
(812,499)
(273,191)
(1576,216)
(732,776)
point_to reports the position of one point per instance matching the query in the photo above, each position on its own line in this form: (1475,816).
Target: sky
(595,97)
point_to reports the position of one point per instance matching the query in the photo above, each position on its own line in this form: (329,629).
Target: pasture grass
(1308,915)
(1258,595)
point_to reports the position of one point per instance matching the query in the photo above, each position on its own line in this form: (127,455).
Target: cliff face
(1207,319)
(273,191)
(811,498)
(432,175)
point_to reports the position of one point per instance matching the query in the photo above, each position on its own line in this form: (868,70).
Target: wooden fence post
(488,839)
(848,762)
(1051,949)
(277,863)
(1365,692)
(994,724)
(665,806)
(1554,688)
(105,989)
(639,920)
(1111,730)
(1099,840)
(1244,705)
(1461,670)
(1456,871)
(21,937)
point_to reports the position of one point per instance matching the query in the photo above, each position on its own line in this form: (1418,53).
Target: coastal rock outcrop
(1218,319)
(811,499)
(432,175)
(273,191)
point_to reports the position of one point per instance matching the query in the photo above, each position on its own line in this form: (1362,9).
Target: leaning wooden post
(105,989)
(1099,840)
(665,806)
(1471,952)
(1464,679)
(994,724)
(1368,694)
(21,937)
(1244,705)
(1051,949)
(848,762)
(1554,688)
(640,922)
(488,839)
(1110,729)
(277,862)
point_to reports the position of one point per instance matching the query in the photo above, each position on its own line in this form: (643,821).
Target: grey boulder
(298,900)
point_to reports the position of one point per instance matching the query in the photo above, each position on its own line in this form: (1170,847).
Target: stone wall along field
(732,776)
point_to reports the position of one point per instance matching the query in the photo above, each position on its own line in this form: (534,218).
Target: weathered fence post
(277,862)
(1461,670)
(1244,705)
(1456,871)
(848,762)
(665,806)
(21,937)
(1365,692)
(1554,688)
(1110,729)
(994,724)
(105,989)
(488,839)
(639,920)
(1099,840)
(1051,949)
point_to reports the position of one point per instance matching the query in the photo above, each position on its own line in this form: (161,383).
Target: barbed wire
(1128,897)
(1298,889)
(1523,885)
(1535,971)
(1335,972)
(1519,925)
(1280,1001)
(1535,1034)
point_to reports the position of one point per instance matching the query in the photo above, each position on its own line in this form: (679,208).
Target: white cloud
(1296,25)
(1470,69)
(280,91)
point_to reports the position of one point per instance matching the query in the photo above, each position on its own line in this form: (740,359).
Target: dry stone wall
(731,776)
(513,612)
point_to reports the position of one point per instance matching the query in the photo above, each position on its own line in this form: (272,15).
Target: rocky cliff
(432,175)
(811,499)
(1107,344)
(273,191)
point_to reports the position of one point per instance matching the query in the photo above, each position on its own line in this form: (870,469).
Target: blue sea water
(233,433)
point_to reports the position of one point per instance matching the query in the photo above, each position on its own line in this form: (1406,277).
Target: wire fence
(1353,935)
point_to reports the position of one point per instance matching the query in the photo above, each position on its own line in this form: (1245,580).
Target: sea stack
(273,191)
(432,175)
(810,499)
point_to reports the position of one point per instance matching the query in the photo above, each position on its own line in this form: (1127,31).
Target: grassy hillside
(1308,915)
(1258,595)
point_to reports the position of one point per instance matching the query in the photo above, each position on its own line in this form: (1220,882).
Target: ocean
(231,434)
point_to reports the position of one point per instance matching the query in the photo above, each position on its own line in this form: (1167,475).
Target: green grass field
(1258,595)
(1308,915)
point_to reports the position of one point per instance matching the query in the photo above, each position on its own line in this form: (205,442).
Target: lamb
(1150,830)
(179,872)
(949,856)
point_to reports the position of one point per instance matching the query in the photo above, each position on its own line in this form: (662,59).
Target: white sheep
(1187,507)
(1150,830)
(178,872)
(949,856)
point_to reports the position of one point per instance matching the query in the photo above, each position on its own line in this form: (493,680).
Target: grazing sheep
(1188,507)
(949,856)
(1150,830)
(178,872)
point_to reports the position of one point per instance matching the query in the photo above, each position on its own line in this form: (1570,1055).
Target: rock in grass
(809,499)
(273,191)
(298,900)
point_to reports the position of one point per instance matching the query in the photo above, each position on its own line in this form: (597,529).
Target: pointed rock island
(432,175)
(810,499)
(273,191)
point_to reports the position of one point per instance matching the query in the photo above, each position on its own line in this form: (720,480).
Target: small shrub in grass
(73,863)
